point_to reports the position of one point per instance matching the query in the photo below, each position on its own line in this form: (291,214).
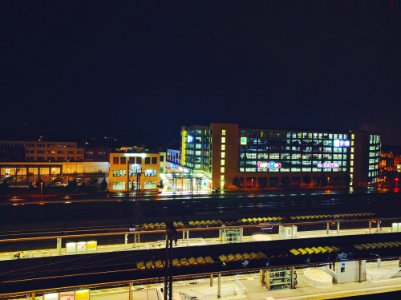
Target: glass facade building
(197,152)
(285,151)
(374,157)
(262,158)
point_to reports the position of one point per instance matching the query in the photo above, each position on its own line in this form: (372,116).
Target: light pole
(41,189)
(138,186)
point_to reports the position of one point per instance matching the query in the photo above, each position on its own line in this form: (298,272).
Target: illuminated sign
(341,143)
(190,139)
(244,140)
(268,165)
(327,165)
(67,295)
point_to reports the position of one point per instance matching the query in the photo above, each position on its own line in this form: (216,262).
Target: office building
(42,151)
(240,158)
(134,171)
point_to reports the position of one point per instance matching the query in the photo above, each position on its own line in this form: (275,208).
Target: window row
(294,135)
(282,170)
(275,156)
(121,186)
(133,172)
(134,160)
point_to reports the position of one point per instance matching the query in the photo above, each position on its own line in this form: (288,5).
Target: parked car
(58,182)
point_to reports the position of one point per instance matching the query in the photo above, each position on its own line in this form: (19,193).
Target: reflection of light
(67,202)
(41,203)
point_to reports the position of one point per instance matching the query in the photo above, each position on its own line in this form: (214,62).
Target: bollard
(126,240)
(338,228)
(211,279)
(327,228)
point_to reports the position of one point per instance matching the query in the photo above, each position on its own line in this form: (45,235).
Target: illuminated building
(47,151)
(236,158)
(133,171)
(47,171)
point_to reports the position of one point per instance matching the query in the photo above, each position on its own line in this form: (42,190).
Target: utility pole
(171,235)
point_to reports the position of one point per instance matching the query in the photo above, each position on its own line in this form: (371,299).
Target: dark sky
(139,70)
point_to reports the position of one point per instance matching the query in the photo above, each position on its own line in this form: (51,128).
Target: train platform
(249,287)
(183,243)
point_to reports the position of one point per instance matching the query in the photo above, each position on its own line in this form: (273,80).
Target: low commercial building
(236,158)
(48,171)
(132,171)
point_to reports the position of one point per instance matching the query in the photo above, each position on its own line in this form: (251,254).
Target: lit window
(118,173)
(223,147)
(223,132)
(223,154)
(222,178)
(118,186)
(243,140)
(223,139)
(222,169)
(223,162)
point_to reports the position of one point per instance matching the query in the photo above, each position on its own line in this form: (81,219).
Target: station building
(236,158)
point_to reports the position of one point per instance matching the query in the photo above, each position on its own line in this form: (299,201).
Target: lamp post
(138,187)
(41,189)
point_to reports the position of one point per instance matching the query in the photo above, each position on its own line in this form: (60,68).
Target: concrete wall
(344,271)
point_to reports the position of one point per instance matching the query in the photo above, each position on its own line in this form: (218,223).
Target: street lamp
(138,186)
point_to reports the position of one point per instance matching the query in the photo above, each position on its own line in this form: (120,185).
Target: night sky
(138,70)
